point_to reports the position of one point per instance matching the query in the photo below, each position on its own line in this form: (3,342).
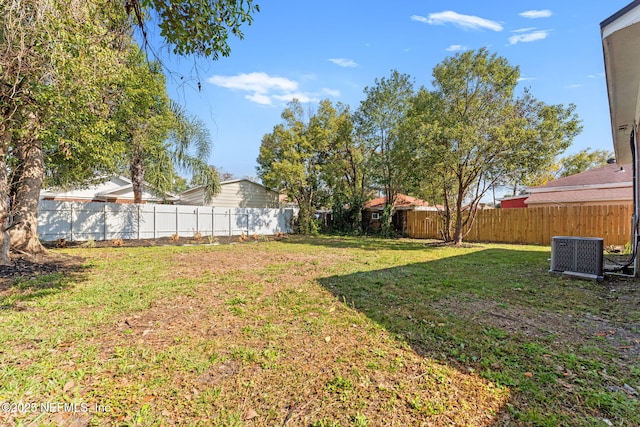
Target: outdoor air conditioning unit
(578,256)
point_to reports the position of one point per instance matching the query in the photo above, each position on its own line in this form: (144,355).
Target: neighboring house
(513,202)
(373,209)
(117,189)
(237,193)
(610,184)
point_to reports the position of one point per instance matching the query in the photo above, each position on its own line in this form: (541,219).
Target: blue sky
(331,49)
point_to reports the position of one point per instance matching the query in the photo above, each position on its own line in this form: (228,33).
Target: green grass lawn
(326,331)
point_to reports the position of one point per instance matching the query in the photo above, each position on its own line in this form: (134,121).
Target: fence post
(213,221)
(177,221)
(138,222)
(72,221)
(104,219)
(155,222)
(230,231)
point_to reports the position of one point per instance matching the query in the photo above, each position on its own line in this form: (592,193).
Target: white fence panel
(105,221)
(119,221)
(87,220)
(58,219)
(147,225)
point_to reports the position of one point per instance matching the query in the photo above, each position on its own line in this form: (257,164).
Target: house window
(375,215)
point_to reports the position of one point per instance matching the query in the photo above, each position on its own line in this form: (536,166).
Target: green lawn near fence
(318,331)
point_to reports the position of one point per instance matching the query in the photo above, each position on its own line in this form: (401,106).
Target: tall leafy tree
(346,171)
(291,160)
(471,130)
(56,66)
(53,54)
(582,161)
(161,139)
(377,124)
(536,160)
(144,117)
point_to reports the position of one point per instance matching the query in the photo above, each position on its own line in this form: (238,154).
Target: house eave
(620,43)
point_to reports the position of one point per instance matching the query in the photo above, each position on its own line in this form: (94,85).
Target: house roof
(402,202)
(521,196)
(115,187)
(620,194)
(610,183)
(612,175)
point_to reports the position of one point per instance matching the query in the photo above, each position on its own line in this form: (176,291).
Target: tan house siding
(234,194)
(194,197)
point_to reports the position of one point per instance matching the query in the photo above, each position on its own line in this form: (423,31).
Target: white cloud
(259,98)
(263,89)
(331,92)
(465,21)
(456,48)
(573,86)
(419,18)
(344,62)
(300,96)
(529,37)
(524,30)
(526,79)
(596,76)
(535,14)
(254,82)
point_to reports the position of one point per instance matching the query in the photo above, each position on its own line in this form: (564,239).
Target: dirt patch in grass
(562,330)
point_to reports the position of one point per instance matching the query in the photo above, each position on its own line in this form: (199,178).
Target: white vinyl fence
(104,221)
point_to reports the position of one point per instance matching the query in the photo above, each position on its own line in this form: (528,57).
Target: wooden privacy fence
(534,225)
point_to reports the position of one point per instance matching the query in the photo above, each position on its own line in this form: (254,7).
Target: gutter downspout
(636,198)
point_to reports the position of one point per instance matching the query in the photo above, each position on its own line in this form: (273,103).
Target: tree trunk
(458,232)
(137,177)
(5,240)
(24,235)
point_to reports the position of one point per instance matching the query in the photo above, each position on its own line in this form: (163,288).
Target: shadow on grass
(31,279)
(491,312)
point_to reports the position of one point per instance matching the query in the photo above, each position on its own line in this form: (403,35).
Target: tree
(471,131)
(195,27)
(582,161)
(40,43)
(189,147)
(536,163)
(223,175)
(56,65)
(291,160)
(144,118)
(161,138)
(346,170)
(377,124)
